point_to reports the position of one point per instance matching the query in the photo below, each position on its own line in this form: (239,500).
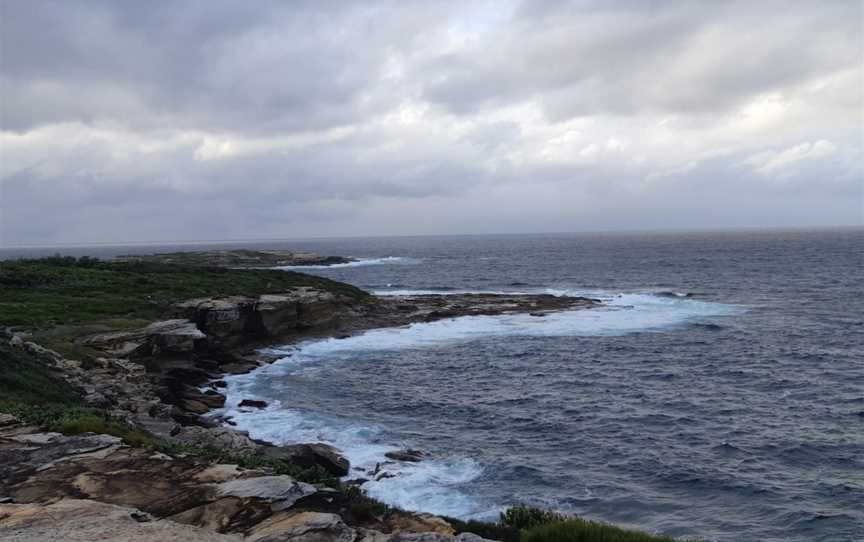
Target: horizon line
(725,229)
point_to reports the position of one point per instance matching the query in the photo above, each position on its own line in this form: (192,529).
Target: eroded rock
(280,491)
(83,520)
(177,335)
(302,527)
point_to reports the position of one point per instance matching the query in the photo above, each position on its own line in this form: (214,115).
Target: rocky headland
(154,462)
(240,258)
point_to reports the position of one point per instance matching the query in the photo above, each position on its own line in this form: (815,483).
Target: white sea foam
(389,260)
(433,484)
(430,486)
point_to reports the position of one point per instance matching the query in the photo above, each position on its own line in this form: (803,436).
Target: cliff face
(217,325)
(230,321)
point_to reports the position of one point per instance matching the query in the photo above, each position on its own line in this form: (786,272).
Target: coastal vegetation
(239,258)
(59,290)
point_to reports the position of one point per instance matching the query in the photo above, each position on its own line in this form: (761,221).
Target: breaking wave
(362,262)
(432,485)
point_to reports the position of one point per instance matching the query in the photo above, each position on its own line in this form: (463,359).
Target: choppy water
(736,413)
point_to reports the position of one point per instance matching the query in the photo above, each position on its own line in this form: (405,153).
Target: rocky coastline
(165,377)
(153,376)
(239,258)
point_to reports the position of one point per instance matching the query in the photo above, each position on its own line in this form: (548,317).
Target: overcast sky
(193,120)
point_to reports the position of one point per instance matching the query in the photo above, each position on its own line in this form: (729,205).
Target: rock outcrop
(234,320)
(309,456)
(177,335)
(92,487)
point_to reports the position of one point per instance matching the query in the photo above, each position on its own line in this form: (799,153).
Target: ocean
(718,394)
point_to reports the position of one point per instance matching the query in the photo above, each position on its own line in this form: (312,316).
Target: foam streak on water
(388,260)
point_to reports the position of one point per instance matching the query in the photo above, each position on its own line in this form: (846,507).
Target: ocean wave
(361,262)
(429,486)
(432,485)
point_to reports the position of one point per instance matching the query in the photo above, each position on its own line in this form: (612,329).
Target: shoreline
(147,392)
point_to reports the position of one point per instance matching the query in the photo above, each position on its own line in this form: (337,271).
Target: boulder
(177,335)
(279,491)
(253,403)
(210,398)
(302,527)
(193,406)
(411,456)
(217,437)
(227,514)
(309,456)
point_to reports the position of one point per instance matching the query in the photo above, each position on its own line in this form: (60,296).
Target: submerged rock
(253,403)
(412,456)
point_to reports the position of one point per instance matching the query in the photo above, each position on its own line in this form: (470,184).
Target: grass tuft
(525,517)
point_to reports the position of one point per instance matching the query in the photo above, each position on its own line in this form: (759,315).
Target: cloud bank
(143,121)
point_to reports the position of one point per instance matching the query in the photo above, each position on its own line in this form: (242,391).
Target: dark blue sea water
(735,413)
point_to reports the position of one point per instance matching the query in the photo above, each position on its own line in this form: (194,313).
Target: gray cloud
(586,58)
(215,64)
(193,120)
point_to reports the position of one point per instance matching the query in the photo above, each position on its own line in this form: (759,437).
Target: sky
(126,121)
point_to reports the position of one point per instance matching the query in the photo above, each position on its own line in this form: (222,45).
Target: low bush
(580,530)
(525,517)
(364,508)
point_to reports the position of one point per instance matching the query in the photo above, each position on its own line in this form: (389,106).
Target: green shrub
(580,530)
(525,517)
(74,420)
(364,508)
(310,475)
